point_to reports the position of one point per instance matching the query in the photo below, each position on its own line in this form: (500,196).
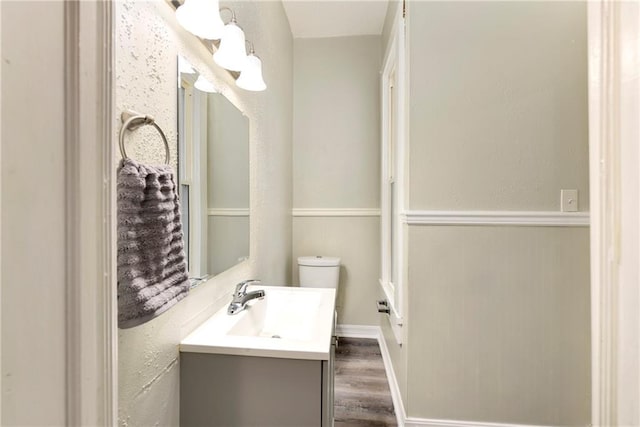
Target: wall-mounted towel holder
(131,120)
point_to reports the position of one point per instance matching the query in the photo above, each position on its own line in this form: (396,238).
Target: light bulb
(232,53)
(251,76)
(204,85)
(201,17)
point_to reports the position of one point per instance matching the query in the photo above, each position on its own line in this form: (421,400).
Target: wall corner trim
(335,212)
(513,218)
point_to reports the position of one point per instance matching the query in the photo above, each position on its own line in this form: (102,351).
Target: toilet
(319,272)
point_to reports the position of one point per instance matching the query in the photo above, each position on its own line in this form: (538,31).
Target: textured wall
(336,162)
(148,39)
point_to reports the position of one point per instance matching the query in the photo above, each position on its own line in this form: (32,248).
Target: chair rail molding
(228,212)
(334,212)
(514,218)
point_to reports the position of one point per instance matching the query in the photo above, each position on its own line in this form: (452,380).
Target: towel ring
(133,120)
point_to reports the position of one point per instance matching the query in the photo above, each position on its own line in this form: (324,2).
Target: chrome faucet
(241,297)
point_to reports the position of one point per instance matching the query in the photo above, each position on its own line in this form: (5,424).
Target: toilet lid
(319,261)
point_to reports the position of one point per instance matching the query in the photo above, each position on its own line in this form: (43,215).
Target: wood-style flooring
(362,395)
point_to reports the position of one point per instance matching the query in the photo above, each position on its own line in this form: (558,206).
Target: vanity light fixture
(202,18)
(204,85)
(232,53)
(251,75)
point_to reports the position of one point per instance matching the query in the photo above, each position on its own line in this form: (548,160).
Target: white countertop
(290,323)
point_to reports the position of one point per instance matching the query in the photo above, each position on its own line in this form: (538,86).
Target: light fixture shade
(202,18)
(204,85)
(251,76)
(232,53)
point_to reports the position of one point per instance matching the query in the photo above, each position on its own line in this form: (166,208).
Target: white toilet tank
(319,271)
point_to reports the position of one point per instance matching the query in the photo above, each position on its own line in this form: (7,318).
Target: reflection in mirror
(213,163)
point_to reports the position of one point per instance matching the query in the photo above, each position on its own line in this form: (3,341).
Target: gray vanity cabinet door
(244,391)
(328,375)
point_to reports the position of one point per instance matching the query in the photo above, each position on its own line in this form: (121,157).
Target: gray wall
(227,155)
(228,183)
(498,106)
(387,27)
(499,328)
(33,214)
(498,316)
(148,39)
(336,162)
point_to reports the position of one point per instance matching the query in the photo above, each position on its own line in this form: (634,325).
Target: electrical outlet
(569,200)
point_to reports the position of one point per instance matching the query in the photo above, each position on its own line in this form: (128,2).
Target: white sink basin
(289,322)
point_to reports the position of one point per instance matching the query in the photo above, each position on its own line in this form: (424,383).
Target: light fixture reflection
(232,53)
(251,75)
(204,85)
(184,67)
(202,18)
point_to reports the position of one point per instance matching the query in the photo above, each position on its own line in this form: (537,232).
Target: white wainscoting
(513,218)
(339,212)
(374,332)
(228,212)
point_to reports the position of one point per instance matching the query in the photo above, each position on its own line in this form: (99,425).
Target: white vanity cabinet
(230,390)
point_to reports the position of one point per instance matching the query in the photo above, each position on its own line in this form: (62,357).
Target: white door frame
(394,63)
(91,304)
(614,100)
(92,310)
(0,220)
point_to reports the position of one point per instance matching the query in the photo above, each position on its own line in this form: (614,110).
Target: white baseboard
(396,396)
(424,422)
(358,331)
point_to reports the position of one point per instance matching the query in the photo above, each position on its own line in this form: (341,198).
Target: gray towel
(152,273)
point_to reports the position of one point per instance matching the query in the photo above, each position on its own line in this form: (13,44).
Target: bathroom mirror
(213,176)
